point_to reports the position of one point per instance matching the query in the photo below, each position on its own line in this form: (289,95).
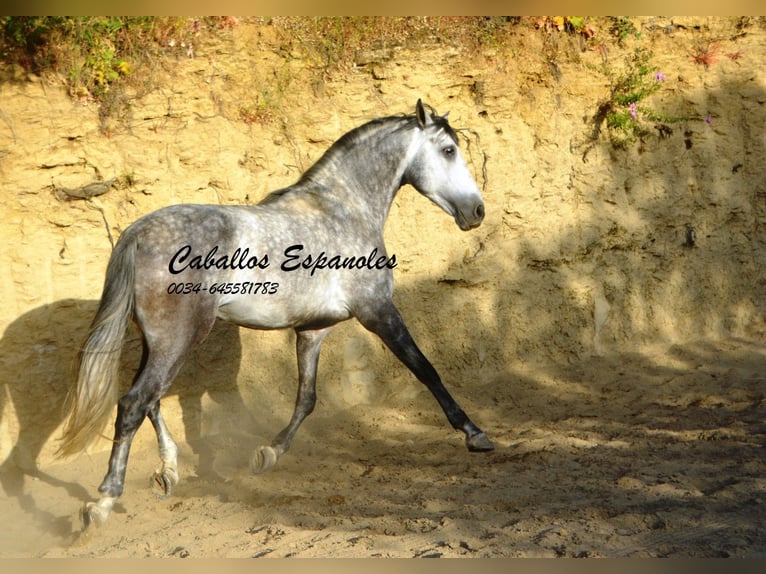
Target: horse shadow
(38,364)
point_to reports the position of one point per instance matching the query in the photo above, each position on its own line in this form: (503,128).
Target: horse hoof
(92,515)
(263,459)
(162,483)
(479,443)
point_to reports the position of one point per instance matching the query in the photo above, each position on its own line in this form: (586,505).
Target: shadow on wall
(663,242)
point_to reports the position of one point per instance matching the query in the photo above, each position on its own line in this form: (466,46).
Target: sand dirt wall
(585,253)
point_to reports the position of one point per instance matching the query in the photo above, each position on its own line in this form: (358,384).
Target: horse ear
(421,114)
(445,116)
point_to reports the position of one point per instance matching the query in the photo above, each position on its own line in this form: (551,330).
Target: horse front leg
(387,323)
(308,345)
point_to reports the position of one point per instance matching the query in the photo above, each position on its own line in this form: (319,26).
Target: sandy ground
(618,369)
(629,455)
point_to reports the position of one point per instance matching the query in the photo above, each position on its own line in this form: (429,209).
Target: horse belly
(257,315)
(285,305)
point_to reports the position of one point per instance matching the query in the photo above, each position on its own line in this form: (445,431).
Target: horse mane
(358,135)
(355,137)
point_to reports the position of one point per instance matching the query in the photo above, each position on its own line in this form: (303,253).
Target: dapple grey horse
(307,257)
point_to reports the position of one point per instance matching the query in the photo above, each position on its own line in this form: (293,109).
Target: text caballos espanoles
(293,259)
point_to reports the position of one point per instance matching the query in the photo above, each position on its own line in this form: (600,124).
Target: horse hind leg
(132,408)
(166,477)
(131,411)
(308,345)
(159,366)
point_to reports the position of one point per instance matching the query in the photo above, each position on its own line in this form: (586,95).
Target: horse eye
(449,151)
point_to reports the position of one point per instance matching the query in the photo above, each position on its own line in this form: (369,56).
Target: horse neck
(364,172)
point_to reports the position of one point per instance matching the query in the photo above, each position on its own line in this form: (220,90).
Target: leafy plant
(21,38)
(571,24)
(97,55)
(704,52)
(622,27)
(624,114)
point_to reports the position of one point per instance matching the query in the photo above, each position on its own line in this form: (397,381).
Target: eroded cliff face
(586,250)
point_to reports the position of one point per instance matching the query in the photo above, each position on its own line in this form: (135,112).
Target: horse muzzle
(470,218)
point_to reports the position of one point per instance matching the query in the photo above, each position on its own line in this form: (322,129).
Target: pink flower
(660,77)
(633,111)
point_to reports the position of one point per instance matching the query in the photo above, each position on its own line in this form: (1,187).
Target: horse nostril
(479,211)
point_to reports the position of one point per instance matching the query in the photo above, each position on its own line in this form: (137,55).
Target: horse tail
(90,402)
